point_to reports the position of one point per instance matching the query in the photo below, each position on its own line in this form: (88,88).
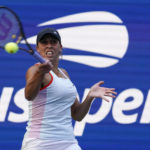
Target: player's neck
(55,66)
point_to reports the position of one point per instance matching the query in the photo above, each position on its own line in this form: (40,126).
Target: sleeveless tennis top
(50,112)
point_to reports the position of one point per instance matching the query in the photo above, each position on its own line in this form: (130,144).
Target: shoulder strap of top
(63,73)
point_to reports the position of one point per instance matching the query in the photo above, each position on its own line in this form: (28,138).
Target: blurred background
(105,40)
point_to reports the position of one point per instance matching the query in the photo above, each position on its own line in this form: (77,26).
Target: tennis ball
(11,47)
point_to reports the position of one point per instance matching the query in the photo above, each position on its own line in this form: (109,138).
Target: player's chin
(49,58)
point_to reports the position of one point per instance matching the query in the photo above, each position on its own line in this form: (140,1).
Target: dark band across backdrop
(106,40)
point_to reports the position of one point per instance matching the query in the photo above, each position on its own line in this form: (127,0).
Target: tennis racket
(11,30)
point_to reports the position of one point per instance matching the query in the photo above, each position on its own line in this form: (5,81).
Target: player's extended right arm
(34,79)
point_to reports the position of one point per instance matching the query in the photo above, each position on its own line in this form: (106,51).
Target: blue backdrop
(124,122)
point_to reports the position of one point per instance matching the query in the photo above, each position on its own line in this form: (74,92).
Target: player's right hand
(45,67)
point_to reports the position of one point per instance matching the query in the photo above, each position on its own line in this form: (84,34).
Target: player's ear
(61,46)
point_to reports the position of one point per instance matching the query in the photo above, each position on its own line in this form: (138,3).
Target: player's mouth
(49,53)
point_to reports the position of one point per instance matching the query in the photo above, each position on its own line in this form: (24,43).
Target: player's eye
(44,41)
(47,41)
(53,41)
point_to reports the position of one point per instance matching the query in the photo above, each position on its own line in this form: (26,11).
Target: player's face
(49,47)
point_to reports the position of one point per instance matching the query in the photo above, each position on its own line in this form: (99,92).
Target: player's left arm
(79,110)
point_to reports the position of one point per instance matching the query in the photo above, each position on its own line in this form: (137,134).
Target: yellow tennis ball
(11,47)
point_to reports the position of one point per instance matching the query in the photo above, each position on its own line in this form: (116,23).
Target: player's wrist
(90,97)
(40,71)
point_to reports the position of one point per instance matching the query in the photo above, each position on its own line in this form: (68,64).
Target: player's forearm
(33,86)
(83,108)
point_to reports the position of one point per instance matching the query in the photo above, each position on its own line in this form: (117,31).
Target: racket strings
(9,28)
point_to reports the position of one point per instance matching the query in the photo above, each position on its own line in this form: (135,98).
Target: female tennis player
(53,99)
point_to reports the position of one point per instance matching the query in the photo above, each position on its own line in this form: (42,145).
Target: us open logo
(102,37)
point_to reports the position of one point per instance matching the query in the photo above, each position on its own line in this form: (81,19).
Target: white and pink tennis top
(50,112)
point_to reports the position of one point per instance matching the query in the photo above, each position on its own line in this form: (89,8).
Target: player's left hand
(97,91)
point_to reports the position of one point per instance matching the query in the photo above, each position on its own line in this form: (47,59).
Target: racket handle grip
(37,56)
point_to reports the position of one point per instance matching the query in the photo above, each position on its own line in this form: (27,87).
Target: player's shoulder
(64,71)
